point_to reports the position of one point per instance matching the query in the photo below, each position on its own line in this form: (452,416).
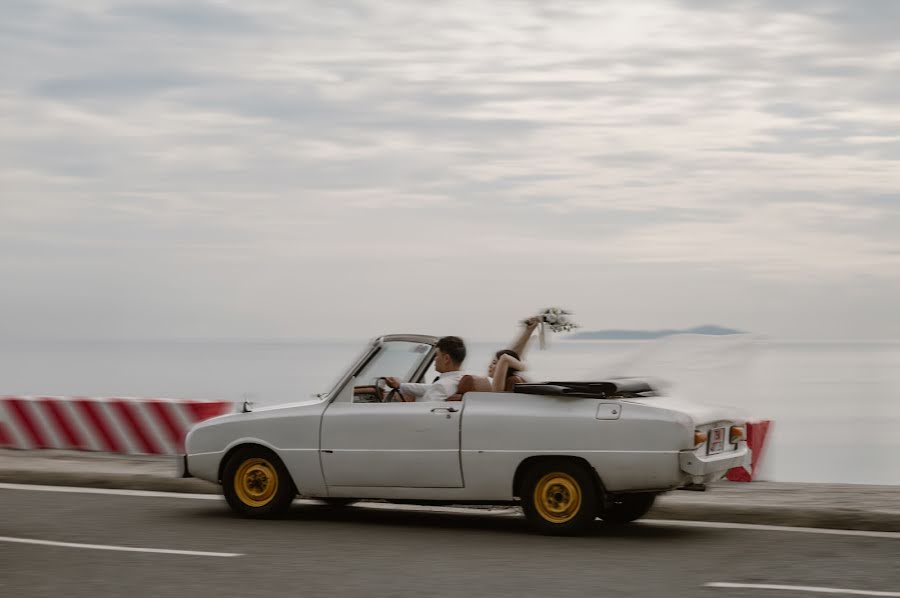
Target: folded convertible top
(624,387)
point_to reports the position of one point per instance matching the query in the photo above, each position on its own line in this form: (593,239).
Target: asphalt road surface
(72,544)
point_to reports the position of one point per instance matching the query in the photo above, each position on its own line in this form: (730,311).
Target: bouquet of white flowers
(557,320)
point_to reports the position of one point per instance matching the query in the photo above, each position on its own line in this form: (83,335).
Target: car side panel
(639,450)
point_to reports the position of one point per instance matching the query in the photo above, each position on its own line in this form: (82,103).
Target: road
(358,551)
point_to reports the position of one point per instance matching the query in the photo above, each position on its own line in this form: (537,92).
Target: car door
(409,445)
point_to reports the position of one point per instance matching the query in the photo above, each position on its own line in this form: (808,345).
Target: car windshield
(395,358)
(337,380)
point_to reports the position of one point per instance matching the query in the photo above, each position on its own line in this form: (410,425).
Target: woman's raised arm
(521,341)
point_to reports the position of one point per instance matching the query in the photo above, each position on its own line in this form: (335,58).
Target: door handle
(444,410)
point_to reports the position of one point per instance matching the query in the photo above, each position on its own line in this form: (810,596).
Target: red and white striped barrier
(756,439)
(117,425)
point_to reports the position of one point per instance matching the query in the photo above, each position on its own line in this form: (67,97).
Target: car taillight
(736,434)
(699,437)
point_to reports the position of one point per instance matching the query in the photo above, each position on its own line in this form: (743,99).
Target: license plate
(716,441)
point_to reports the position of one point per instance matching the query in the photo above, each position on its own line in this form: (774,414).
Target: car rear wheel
(559,497)
(626,508)
(256,483)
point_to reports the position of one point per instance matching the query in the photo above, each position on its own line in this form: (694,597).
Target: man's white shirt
(442,388)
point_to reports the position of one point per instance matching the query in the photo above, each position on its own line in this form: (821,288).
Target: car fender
(289,431)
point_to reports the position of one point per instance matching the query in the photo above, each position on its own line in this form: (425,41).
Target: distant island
(630,335)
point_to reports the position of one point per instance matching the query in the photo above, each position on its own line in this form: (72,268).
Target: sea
(835,406)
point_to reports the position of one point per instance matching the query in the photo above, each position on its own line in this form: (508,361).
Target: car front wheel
(559,497)
(256,483)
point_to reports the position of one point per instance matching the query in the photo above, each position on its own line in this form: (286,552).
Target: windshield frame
(373,349)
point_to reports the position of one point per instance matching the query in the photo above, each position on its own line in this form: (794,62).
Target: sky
(288,169)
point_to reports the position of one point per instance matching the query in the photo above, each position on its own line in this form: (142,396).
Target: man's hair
(454,347)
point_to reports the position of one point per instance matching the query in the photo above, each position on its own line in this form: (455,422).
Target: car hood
(285,406)
(266,412)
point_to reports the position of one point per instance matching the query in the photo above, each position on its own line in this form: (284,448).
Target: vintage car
(568,452)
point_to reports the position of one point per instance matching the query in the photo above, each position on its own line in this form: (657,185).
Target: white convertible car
(568,452)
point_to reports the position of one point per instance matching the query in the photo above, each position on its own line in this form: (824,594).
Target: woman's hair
(511,371)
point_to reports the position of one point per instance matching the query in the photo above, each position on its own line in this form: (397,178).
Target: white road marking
(500,511)
(118,548)
(771,528)
(113,491)
(814,589)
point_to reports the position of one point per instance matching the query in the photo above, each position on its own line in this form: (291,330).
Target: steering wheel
(385,393)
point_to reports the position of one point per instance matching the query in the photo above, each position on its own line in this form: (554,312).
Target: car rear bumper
(709,465)
(181,467)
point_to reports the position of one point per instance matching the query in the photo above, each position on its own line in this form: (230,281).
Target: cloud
(192,18)
(754,136)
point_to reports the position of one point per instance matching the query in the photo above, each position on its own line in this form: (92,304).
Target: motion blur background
(834,404)
(179,180)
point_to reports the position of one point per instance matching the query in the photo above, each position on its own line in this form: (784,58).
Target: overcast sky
(344,169)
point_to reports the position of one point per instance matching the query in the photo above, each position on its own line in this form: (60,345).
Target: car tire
(625,508)
(559,497)
(256,483)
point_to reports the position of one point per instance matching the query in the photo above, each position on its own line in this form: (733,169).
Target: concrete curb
(789,516)
(107,480)
(683,506)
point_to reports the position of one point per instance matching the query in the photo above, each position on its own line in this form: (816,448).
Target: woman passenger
(507,363)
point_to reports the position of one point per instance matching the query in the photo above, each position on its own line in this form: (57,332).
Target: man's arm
(414,389)
(436,392)
(408,389)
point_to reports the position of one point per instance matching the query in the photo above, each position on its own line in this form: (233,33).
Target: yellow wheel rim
(557,497)
(256,482)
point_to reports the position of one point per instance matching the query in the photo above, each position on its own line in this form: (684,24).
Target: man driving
(448,359)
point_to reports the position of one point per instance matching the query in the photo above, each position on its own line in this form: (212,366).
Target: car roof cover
(620,387)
